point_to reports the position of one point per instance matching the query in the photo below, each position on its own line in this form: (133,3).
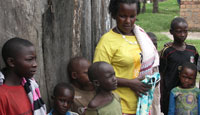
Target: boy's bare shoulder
(94,103)
(99,101)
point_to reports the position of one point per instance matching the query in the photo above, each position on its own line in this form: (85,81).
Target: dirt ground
(191,35)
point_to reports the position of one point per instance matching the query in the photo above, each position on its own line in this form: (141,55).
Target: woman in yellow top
(130,51)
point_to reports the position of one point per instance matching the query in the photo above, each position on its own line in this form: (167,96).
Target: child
(63,95)
(153,38)
(104,102)
(20,93)
(84,90)
(156,98)
(172,57)
(184,99)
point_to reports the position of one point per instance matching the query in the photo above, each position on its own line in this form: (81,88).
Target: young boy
(102,75)
(20,93)
(174,56)
(184,99)
(84,90)
(63,95)
(155,110)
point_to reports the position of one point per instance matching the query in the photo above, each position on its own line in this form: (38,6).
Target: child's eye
(29,59)
(132,16)
(122,16)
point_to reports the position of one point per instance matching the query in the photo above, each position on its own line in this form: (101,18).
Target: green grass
(158,22)
(162,39)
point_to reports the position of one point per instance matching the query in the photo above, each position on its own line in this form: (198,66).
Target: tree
(155,6)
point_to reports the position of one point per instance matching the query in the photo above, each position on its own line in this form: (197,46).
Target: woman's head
(124,12)
(115,5)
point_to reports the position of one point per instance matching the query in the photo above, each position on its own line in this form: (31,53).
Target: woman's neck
(117,30)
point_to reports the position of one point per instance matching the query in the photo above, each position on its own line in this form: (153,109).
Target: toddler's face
(63,101)
(82,73)
(187,78)
(25,63)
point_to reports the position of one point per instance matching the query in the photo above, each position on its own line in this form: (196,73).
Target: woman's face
(126,17)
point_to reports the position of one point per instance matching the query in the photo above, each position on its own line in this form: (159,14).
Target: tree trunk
(144,6)
(155,6)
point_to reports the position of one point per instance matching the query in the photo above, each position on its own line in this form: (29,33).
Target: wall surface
(190,10)
(60,30)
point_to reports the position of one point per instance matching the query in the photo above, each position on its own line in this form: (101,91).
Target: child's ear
(96,83)
(74,75)
(10,62)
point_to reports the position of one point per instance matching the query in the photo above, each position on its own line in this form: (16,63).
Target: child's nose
(34,63)
(128,20)
(65,104)
(114,79)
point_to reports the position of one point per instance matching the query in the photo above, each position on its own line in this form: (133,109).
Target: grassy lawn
(158,22)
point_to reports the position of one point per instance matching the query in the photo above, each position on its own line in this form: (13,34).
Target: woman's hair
(114,6)
(177,20)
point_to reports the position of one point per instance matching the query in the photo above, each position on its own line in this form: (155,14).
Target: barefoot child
(20,93)
(174,56)
(184,99)
(63,95)
(104,102)
(84,90)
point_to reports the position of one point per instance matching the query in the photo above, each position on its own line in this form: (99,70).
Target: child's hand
(138,87)
(168,44)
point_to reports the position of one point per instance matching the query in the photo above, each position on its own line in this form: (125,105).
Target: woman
(130,51)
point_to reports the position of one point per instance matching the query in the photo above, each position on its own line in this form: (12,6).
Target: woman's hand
(138,87)
(134,84)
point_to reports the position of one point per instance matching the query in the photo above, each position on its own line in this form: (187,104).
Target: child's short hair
(114,6)
(63,85)
(177,20)
(190,66)
(71,67)
(12,47)
(93,71)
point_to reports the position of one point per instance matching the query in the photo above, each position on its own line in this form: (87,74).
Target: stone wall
(190,10)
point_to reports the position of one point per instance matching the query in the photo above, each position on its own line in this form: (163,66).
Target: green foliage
(158,22)
(162,39)
(195,43)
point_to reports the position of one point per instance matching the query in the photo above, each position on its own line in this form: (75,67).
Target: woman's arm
(135,84)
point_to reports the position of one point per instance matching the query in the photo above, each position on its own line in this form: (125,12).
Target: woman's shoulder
(111,36)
